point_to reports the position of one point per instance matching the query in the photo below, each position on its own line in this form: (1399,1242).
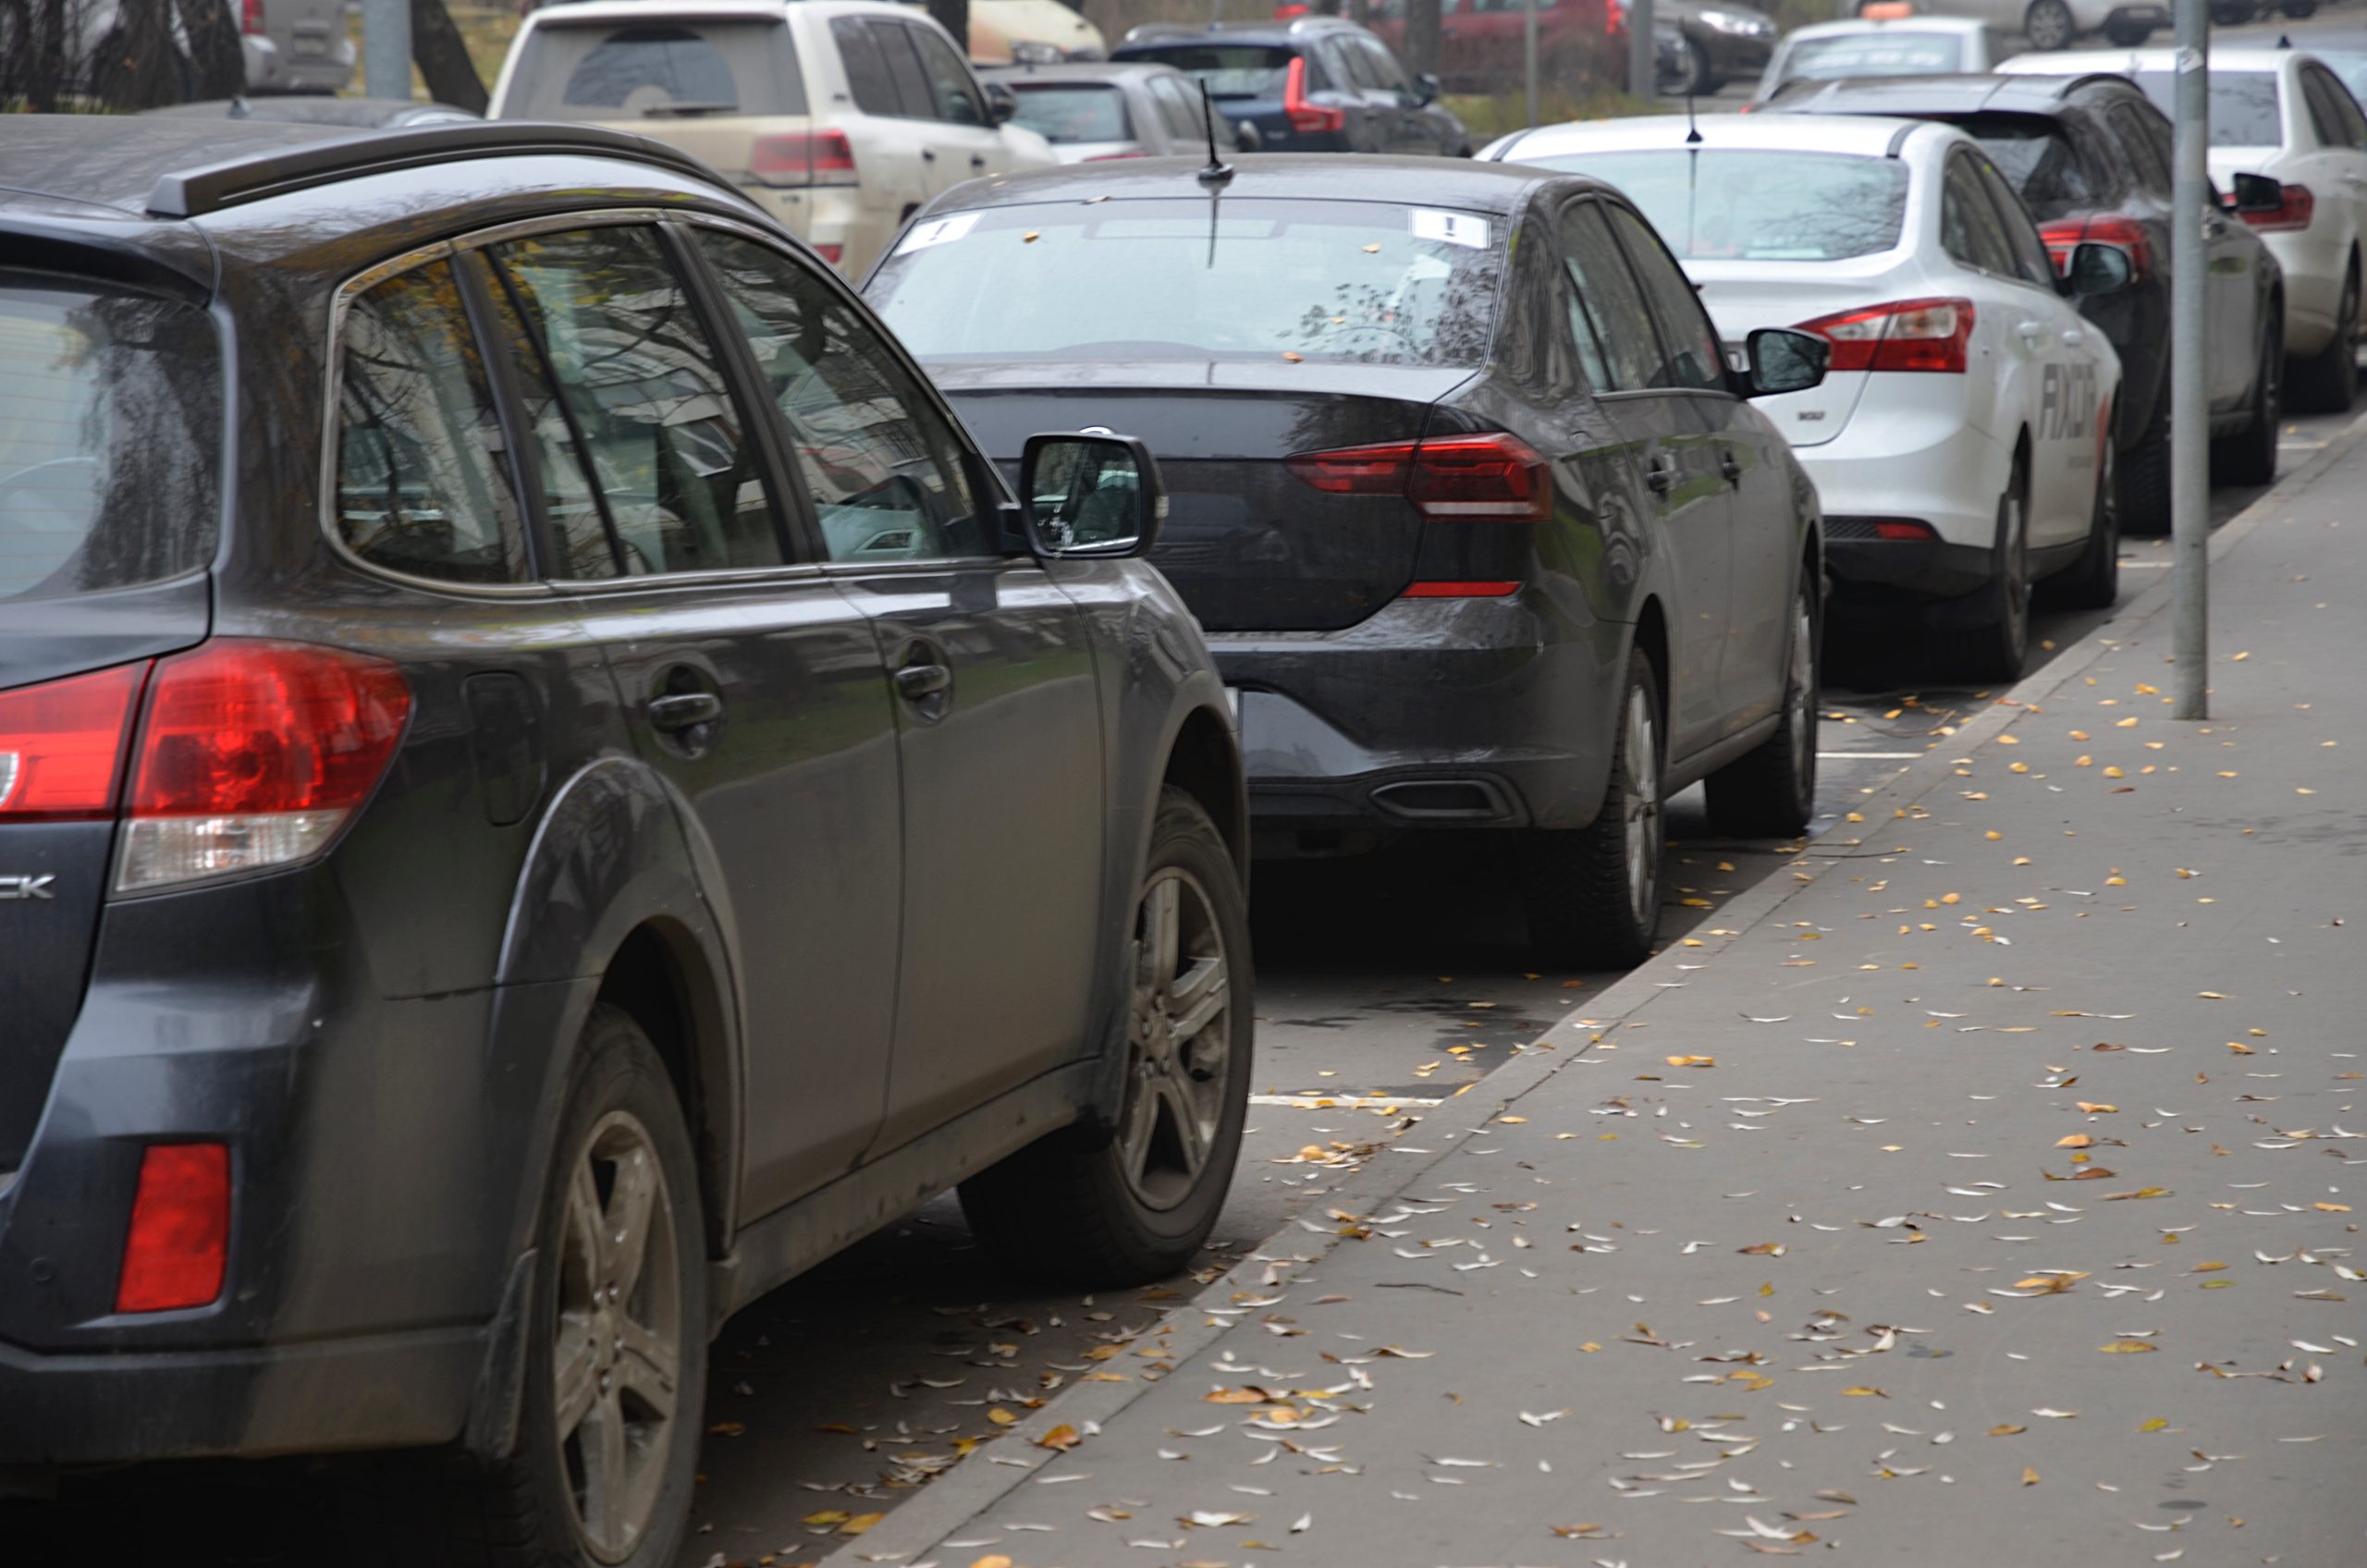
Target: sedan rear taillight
(61,745)
(2294,212)
(804,157)
(2069,234)
(1910,334)
(1305,116)
(253,755)
(1496,478)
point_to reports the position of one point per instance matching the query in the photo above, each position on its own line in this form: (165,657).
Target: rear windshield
(2243,105)
(606,72)
(2037,161)
(110,440)
(1874,54)
(1074,114)
(1184,280)
(1757,205)
(1231,71)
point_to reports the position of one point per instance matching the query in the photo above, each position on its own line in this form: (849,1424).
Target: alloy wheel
(2014,571)
(616,1354)
(1640,784)
(1181,1055)
(2048,25)
(1799,697)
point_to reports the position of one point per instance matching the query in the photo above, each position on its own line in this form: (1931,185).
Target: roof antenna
(1692,126)
(1217,171)
(239,109)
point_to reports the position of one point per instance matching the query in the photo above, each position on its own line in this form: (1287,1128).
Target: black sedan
(1715,45)
(1463,492)
(1313,84)
(2089,155)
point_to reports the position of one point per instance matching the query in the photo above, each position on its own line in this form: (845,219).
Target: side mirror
(1089,496)
(2257,193)
(1250,138)
(2096,269)
(1001,102)
(1426,89)
(1784,361)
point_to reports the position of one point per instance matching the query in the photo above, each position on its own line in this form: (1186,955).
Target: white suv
(841,117)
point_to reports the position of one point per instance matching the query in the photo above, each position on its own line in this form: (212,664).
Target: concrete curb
(945,1505)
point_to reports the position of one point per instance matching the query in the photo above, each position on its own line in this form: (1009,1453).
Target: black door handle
(918,682)
(1660,473)
(684,710)
(1731,465)
(978,159)
(928,155)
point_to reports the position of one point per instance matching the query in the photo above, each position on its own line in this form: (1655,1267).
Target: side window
(2031,261)
(1607,304)
(887,470)
(2146,136)
(674,476)
(1968,228)
(1694,359)
(1385,70)
(1177,108)
(422,487)
(913,98)
(867,77)
(2326,120)
(582,532)
(2345,107)
(954,92)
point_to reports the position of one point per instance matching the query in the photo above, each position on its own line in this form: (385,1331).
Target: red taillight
(61,745)
(2066,236)
(1456,478)
(2294,212)
(831,253)
(251,17)
(802,157)
(1911,335)
(252,754)
(1902,527)
(1304,115)
(180,1241)
(1460,590)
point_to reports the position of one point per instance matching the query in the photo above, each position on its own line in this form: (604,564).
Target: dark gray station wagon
(544,787)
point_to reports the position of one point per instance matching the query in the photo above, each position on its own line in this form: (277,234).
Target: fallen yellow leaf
(2128,1347)
(2030,1476)
(860,1523)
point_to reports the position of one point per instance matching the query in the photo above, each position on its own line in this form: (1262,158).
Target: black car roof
(1919,96)
(114,160)
(1442,182)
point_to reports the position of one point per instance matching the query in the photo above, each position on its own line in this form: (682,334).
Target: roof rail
(300,165)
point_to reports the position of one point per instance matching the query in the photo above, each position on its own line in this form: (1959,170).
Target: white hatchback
(840,118)
(2279,113)
(1960,442)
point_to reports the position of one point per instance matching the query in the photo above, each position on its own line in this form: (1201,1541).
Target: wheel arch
(661,977)
(1204,762)
(1651,640)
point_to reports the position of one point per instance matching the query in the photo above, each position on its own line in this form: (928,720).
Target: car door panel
(751,684)
(966,143)
(2073,355)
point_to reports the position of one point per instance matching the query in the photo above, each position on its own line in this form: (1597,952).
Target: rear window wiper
(685,110)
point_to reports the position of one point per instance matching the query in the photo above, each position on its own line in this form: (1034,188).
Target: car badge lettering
(14,888)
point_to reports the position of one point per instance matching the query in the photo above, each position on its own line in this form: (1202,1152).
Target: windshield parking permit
(938,231)
(1452,228)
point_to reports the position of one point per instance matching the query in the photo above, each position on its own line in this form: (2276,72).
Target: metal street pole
(2192,214)
(1642,64)
(1528,55)
(385,48)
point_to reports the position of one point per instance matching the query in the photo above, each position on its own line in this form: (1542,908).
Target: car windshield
(2243,105)
(595,71)
(1084,112)
(1874,54)
(1231,71)
(1758,204)
(110,440)
(2037,161)
(1244,279)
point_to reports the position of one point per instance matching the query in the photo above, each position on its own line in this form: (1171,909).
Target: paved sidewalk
(1982,1197)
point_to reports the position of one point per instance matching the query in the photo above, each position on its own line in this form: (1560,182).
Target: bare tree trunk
(138,66)
(443,58)
(219,63)
(1421,36)
(49,69)
(954,16)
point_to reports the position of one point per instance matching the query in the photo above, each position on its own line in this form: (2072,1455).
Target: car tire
(2048,25)
(2327,381)
(1770,791)
(621,1149)
(2127,35)
(2300,11)
(1130,1203)
(2093,582)
(2232,13)
(2145,481)
(1991,649)
(1592,894)
(2249,456)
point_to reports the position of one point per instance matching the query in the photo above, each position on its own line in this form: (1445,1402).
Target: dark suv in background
(1315,84)
(2091,157)
(544,787)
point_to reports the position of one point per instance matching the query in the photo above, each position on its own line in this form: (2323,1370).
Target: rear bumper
(827,217)
(1867,568)
(1441,712)
(1921,460)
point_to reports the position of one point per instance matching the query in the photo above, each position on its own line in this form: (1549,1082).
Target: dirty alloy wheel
(2249,456)
(1593,894)
(1991,649)
(1770,791)
(1131,1201)
(2327,381)
(2094,583)
(2048,25)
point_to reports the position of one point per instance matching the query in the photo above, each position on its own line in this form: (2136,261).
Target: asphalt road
(1386,985)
